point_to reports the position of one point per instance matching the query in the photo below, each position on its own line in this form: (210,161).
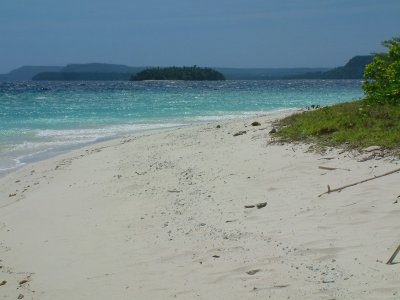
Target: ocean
(42,119)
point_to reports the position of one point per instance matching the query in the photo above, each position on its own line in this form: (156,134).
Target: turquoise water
(41,119)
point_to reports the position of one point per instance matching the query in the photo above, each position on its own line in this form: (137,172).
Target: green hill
(81,76)
(91,71)
(353,69)
(27,72)
(101,67)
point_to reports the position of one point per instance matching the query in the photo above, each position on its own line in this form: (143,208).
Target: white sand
(161,215)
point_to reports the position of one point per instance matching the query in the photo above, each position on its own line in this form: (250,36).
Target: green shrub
(382,76)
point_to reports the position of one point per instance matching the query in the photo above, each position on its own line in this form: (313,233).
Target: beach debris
(258,205)
(358,182)
(372,148)
(3,282)
(273,130)
(281,286)
(230,221)
(218,126)
(216,256)
(20,296)
(332,168)
(313,106)
(174,191)
(390,261)
(326,158)
(240,133)
(256,123)
(261,205)
(365,157)
(249,206)
(252,272)
(328,281)
(12,195)
(23,281)
(140,174)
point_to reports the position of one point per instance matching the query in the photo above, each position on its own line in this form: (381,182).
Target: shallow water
(41,119)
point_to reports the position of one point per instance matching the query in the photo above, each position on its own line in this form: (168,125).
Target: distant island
(85,72)
(194,73)
(81,76)
(353,69)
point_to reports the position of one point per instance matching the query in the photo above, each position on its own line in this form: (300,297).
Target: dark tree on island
(194,73)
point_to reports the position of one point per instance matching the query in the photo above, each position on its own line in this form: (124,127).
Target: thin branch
(353,184)
(390,261)
(332,168)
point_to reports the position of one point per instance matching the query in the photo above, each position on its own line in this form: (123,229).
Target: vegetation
(375,120)
(178,73)
(382,85)
(352,125)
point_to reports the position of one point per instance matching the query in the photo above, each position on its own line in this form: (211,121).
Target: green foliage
(382,76)
(352,125)
(178,73)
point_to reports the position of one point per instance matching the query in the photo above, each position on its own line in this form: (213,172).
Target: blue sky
(224,33)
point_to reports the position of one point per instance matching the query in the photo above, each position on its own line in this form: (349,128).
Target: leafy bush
(382,76)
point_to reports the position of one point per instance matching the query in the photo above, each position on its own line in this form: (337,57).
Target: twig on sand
(259,205)
(331,168)
(390,261)
(358,182)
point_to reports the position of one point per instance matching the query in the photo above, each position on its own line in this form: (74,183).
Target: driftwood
(331,168)
(353,184)
(259,205)
(390,261)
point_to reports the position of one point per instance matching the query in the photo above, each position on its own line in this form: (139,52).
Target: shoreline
(45,154)
(173,213)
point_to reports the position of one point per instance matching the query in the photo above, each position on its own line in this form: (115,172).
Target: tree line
(194,73)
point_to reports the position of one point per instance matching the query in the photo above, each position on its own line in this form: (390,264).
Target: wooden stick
(390,261)
(331,168)
(362,181)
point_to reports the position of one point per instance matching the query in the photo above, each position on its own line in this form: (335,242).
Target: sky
(212,33)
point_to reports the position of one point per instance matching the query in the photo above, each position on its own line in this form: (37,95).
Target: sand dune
(162,214)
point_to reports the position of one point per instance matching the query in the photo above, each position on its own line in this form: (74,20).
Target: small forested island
(194,73)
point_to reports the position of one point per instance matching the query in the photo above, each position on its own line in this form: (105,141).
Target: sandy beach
(199,212)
